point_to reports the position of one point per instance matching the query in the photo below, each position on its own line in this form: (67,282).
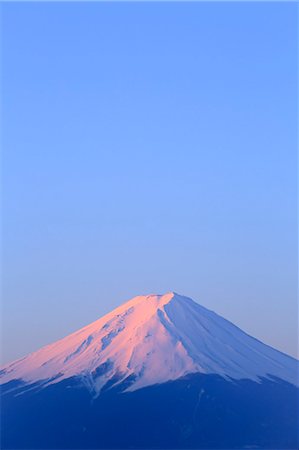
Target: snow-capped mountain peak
(153,339)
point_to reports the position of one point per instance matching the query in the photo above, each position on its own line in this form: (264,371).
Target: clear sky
(148,147)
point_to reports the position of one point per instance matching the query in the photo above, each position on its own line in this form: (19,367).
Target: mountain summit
(151,340)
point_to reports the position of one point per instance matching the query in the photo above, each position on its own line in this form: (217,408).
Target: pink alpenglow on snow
(153,339)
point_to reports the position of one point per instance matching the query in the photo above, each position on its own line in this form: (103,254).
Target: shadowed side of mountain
(197,411)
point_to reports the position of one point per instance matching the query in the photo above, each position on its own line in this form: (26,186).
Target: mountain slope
(149,340)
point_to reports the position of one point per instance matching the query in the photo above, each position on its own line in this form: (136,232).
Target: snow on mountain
(153,339)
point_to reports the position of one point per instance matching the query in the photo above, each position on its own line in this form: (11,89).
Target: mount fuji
(160,371)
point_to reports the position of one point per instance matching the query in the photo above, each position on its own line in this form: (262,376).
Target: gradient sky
(148,147)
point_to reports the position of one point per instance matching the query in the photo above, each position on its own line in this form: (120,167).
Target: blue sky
(148,147)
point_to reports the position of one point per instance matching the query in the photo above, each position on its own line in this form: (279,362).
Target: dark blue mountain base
(198,412)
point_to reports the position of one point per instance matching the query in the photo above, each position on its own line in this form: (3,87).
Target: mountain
(160,371)
(154,338)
